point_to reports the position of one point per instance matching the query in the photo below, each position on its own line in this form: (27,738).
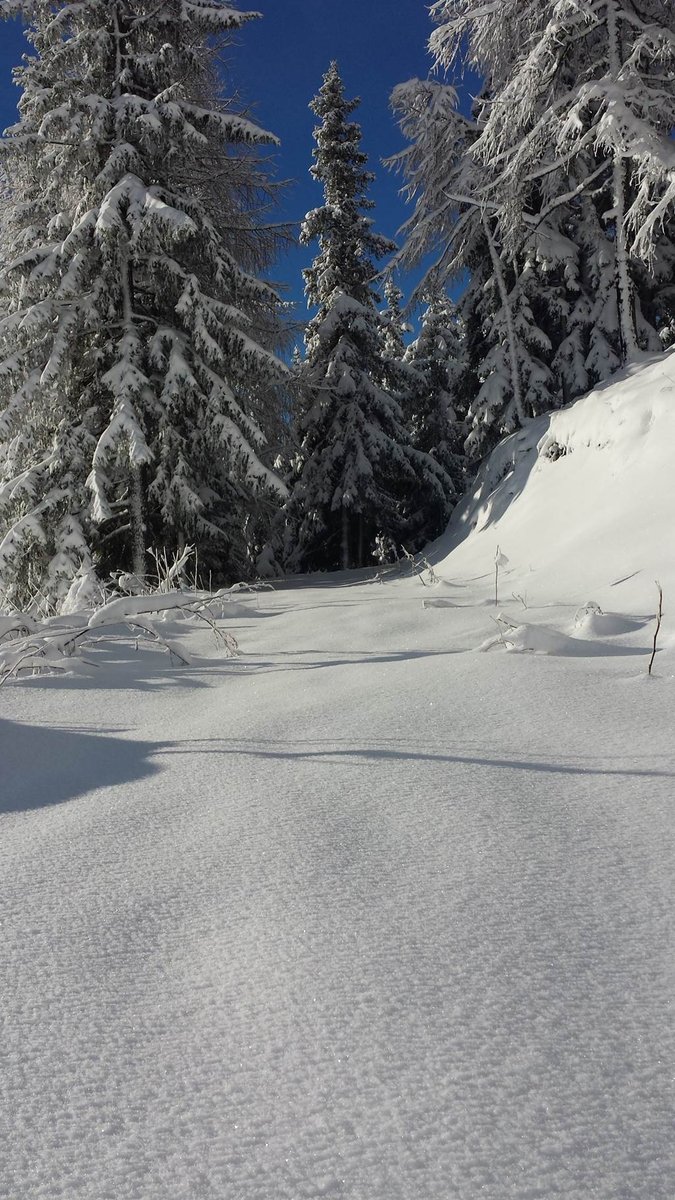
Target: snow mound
(597,624)
(543,639)
(581,501)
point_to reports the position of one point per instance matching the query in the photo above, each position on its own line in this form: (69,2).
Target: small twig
(425,565)
(500,561)
(411,559)
(227,640)
(659,618)
(148,628)
(503,625)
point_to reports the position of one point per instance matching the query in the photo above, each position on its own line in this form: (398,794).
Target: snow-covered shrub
(60,645)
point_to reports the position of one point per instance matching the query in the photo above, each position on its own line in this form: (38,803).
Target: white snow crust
(365,913)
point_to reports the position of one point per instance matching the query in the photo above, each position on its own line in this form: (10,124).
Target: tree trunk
(137,523)
(629,342)
(137,504)
(137,507)
(627,331)
(345,540)
(510,327)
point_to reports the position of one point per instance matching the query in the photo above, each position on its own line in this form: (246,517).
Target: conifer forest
(157,390)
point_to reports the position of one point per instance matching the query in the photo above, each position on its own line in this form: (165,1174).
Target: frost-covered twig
(227,640)
(256,585)
(52,647)
(172,573)
(418,566)
(500,561)
(44,650)
(16,625)
(410,558)
(432,576)
(504,627)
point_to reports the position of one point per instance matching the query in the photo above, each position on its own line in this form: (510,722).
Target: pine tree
(428,414)
(509,350)
(396,327)
(557,196)
(510,327)
(438,412)
(359,475)
(5,196)
(588,110)
(131,342)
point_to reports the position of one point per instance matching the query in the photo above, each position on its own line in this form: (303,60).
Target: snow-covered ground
(368,912)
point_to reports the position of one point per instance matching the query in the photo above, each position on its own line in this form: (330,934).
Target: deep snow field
(381,909)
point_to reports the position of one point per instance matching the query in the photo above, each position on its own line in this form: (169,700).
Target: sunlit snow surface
(365,913)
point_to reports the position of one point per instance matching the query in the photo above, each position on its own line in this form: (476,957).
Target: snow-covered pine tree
(129,345)
(510,392)
(588,109)
(407,377)
(508,351)
(566,172)
(438,411)
(359,474)
(396,325)
(4,198)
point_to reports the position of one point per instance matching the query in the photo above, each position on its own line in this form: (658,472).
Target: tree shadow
(282,660)
(116,671)
(343,751)
(44,766)
(501,477)
(41,766)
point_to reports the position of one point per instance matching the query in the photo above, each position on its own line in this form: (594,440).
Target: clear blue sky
(277,66)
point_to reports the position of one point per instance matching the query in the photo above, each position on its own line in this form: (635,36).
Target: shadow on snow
(41,766)
(334,752)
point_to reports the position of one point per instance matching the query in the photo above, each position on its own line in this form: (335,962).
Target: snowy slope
(365,913)
(583,498)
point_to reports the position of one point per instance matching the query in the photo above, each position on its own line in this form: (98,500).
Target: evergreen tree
(588,109)
(396,327)
(512,381)
(557,196)
(510,394)
(359,474)
(438,412)
(134,329)
(5,196)
(411,377)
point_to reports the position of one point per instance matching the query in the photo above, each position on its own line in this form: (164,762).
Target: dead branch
(659,618)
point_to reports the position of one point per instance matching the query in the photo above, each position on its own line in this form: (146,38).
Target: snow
(601,472)
(365,913)
(129,607)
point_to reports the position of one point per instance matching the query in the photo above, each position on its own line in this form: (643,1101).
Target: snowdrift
(581,502)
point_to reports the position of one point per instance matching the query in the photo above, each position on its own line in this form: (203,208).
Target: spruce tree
(507,349)
(556,197)
(359,475)
(129,338)
(429,418)
(395,325)
(588,110)
(438,412)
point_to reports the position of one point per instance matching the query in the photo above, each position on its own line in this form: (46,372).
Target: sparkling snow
(366,913)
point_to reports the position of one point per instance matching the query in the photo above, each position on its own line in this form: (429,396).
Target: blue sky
(277,66)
